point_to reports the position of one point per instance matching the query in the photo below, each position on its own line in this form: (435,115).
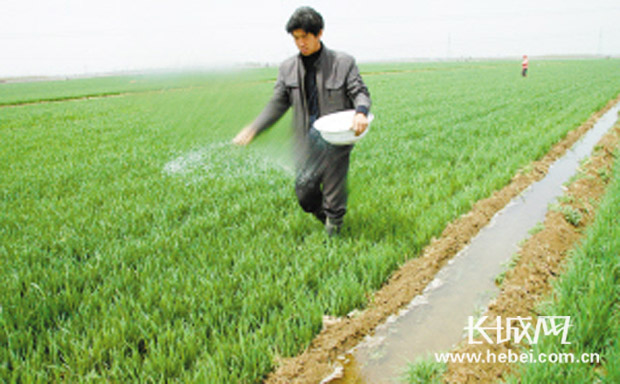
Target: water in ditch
(435,321)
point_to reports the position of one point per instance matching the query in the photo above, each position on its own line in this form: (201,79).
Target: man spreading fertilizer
(316,83)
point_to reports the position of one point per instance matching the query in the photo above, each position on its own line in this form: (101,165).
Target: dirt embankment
(541,260)
(337,337)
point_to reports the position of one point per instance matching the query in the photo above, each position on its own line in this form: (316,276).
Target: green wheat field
(138,245)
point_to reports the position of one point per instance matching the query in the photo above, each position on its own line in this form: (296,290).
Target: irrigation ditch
(541,259)
(331,356)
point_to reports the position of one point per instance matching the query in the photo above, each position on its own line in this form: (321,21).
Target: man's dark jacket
(339,87)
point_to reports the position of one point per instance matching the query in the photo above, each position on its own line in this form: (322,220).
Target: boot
(332,226)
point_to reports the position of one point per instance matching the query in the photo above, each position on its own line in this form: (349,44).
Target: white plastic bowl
(337,128)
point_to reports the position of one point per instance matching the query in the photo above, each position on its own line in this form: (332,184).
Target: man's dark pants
(321,182)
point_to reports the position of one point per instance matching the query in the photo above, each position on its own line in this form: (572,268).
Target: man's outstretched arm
(273,111)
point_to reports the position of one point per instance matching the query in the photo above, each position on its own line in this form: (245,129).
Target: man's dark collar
(313,58)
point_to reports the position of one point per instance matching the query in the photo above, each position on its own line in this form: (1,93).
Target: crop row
(588,292)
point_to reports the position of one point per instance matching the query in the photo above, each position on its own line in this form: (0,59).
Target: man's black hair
(307,19)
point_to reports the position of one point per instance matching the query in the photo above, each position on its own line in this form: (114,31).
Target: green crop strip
(17,93)
(589,292)
(137,245)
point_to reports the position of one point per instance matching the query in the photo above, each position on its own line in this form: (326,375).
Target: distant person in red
(524,64)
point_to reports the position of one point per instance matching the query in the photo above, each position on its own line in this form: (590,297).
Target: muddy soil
(339,335)
(541,260)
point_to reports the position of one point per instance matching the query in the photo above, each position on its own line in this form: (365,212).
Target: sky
(76,37)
